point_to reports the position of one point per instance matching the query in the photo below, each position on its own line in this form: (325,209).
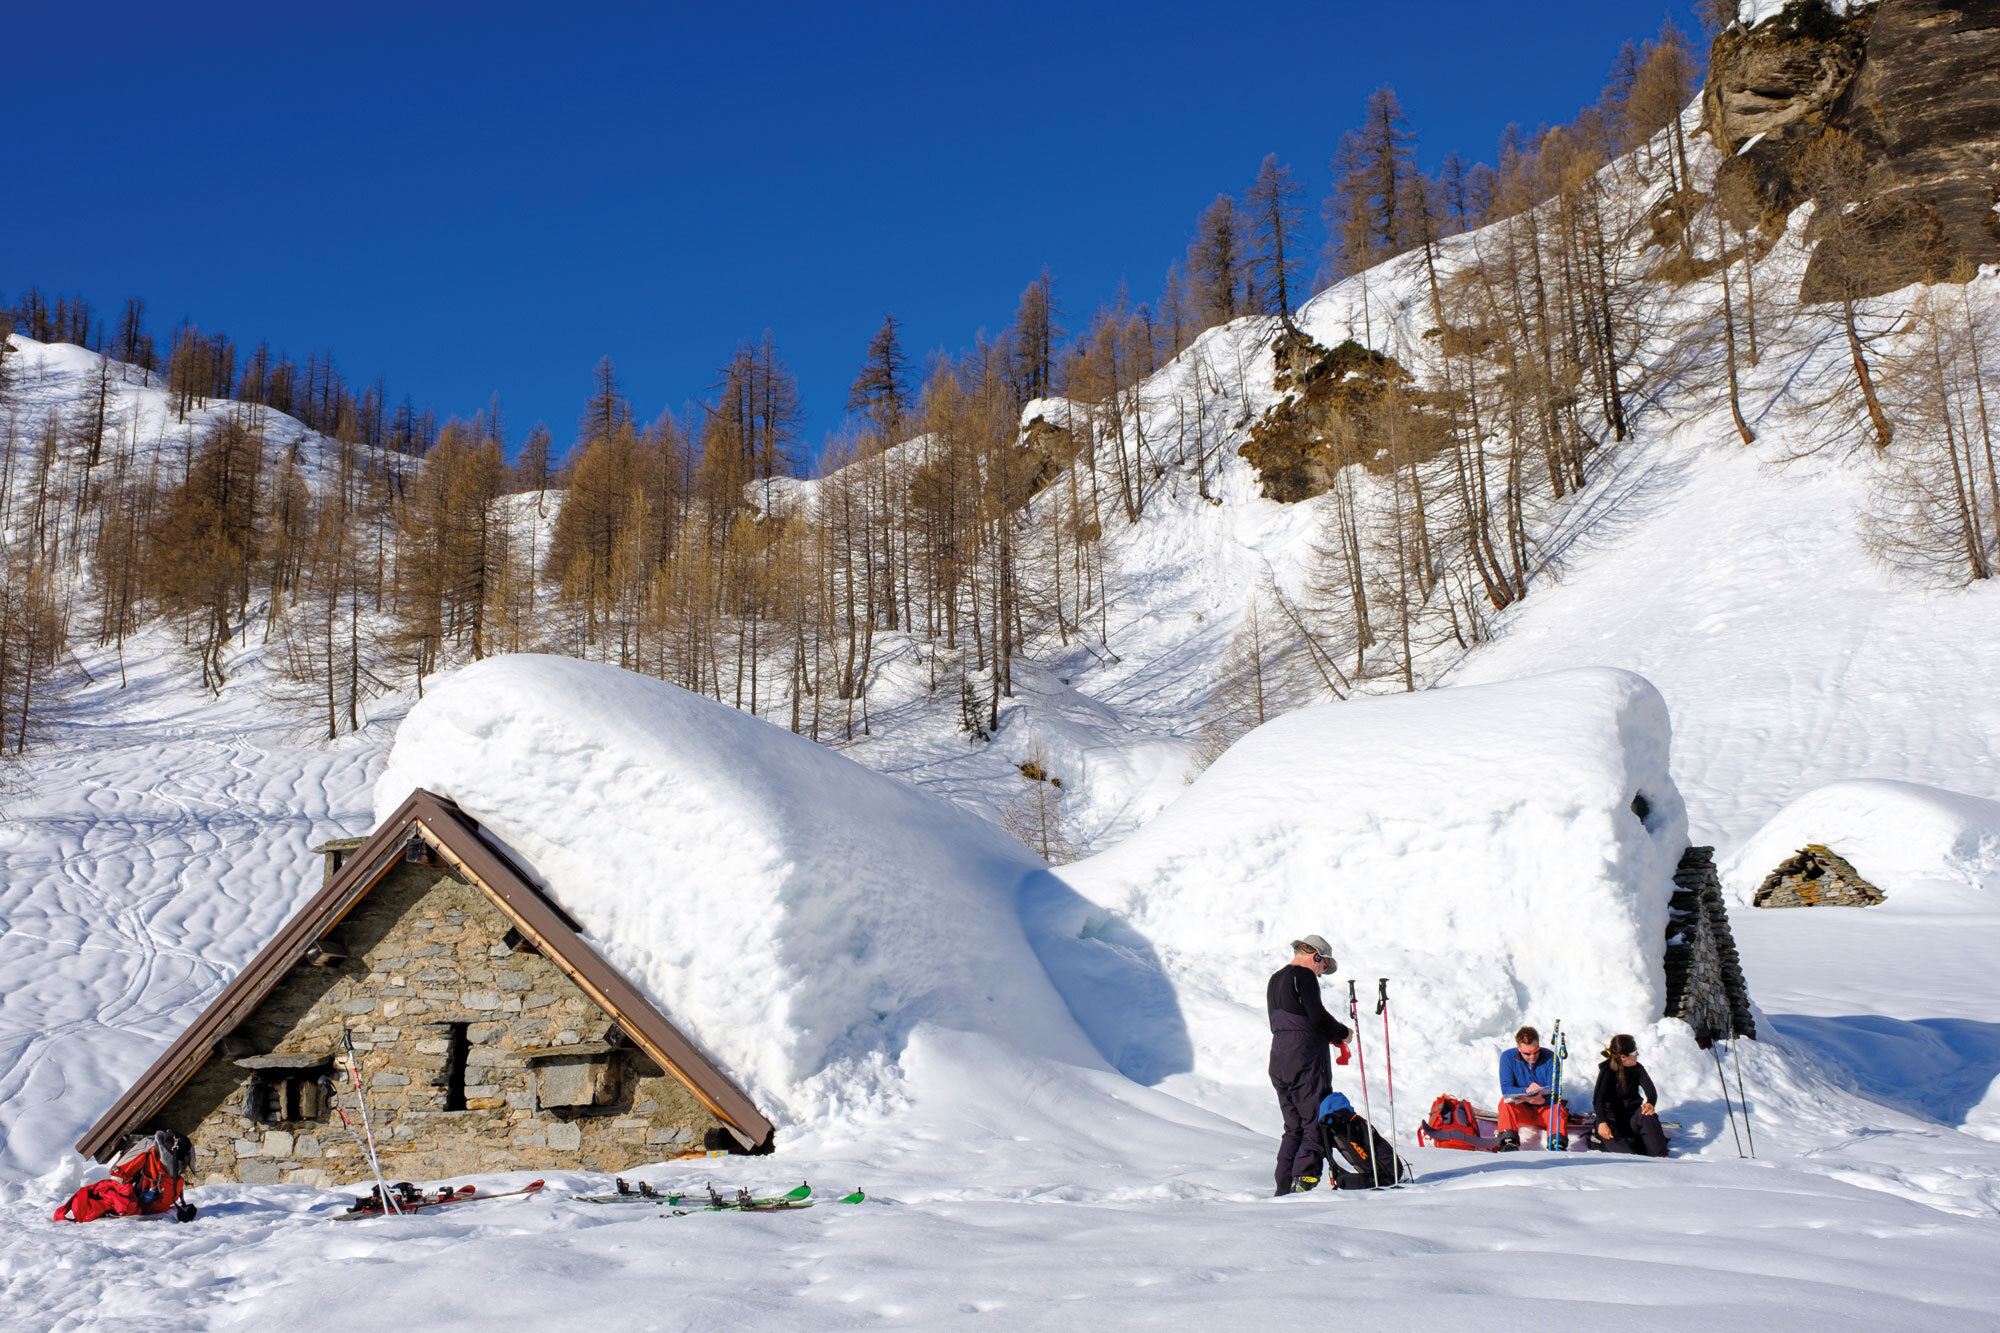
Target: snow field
(1486,1243)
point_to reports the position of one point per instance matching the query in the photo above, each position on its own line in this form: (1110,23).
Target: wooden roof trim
(453,834)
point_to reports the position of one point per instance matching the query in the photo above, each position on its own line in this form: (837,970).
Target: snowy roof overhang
(455,838)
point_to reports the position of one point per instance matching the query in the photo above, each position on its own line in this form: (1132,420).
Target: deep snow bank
(1901,836)
(1478,845)
(795,913)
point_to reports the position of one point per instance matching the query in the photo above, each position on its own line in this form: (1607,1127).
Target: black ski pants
(1642,1136)
(1302,1083)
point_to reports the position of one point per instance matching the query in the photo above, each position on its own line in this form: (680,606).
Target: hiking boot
(1305,1184)
(1509,1142)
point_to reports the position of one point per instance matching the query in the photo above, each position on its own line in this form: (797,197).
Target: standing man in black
(1301,1070)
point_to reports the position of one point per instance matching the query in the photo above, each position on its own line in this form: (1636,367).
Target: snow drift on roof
(1899,835)
(1477,845)
(791,911)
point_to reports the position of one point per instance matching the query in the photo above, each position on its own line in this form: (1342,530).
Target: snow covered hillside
(1049,1081)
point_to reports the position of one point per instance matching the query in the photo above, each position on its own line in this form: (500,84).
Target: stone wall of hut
(477,1054)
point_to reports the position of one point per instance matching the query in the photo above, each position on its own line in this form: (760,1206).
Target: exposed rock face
(1816,877)
(1340,407)
(1914,83)
(1046,450)
(1779,83)
(1925,107)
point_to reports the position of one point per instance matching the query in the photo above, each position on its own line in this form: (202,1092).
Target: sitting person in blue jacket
(1528,1095)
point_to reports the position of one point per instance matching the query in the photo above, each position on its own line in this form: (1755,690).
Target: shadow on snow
(1939,1068)
(1111,979)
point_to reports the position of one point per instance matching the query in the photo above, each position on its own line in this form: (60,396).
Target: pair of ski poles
(366,1138)
(1736,1057)
(1389,1069)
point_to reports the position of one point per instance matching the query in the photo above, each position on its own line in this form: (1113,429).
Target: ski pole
(1736,1058)
(333,1100)
(1727,1105)
(1389,1075)
(1559,1048)
(361,1100)
(1361,1057)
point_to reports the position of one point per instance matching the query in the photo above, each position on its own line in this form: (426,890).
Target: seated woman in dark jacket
(1626,1121)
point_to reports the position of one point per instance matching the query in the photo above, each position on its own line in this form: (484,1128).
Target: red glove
(1343,1054)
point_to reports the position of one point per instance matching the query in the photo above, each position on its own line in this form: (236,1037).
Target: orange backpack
(1452,1123)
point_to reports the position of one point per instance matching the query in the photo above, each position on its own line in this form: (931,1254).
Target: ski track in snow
(149,852)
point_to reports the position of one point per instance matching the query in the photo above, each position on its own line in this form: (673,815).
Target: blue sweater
(1516,1074)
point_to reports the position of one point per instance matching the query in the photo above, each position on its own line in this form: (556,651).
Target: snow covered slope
(140,418)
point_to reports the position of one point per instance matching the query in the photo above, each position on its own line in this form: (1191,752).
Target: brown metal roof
(455,837)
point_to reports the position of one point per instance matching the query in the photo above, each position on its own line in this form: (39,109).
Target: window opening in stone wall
(458,1044)
(283,1087)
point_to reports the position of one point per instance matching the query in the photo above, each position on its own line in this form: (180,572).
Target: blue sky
(487,200)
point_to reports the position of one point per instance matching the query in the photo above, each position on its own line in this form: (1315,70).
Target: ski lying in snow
(627,1194)
(771,1205)
(412,1200)
(715,1201)
(743,1202)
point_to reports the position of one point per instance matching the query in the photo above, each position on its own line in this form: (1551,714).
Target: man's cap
(1313,944)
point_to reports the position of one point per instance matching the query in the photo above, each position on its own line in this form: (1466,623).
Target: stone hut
(1816,876)
(489,1036)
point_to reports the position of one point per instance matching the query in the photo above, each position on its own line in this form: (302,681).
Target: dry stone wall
(477,1054)
(1705,986)
(1817,876)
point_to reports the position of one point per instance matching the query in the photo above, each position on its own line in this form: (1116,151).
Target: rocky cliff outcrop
(1915,84)
(1347,405)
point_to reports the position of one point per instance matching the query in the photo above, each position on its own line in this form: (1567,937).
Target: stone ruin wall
(426,949)
(1705,985)
(1816,876)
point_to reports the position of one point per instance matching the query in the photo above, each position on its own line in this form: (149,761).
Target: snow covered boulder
(794,913)
(1503,853)
(1900,836)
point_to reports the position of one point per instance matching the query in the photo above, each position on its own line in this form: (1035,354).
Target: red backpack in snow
(106,1198)
(146,1180)
(1452,1123)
